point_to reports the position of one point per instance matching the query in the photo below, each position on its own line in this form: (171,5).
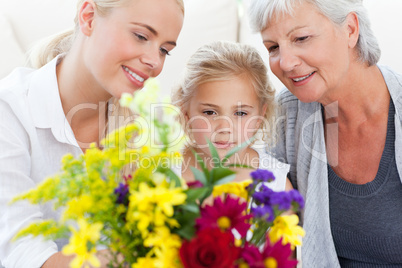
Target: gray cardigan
(301,144)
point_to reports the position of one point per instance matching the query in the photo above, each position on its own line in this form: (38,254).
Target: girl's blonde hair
(222,60)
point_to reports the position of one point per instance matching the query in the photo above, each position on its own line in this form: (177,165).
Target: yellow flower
(236,188)
(147,262)
(87,234)
(286,227)
(77,207)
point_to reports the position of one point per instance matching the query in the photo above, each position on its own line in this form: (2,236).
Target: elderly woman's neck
(364,96)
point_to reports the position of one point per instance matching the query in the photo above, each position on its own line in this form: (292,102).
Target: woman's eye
(272,49)
(209,112)
(164,51)
(240,113)
(301,39)
(140,37)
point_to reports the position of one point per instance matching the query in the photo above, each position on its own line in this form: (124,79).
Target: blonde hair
(60,43)
(222,60)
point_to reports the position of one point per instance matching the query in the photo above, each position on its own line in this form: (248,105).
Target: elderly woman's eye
(301,39)
(272,48)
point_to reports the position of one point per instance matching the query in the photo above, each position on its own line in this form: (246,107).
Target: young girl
(63,106)
(226,98)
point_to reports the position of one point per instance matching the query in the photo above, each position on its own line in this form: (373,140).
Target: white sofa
(24,22)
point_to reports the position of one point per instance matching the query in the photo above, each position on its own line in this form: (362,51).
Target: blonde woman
(63,106)
(226,97)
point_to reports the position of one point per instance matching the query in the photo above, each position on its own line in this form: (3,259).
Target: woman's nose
(288,59)
(152,58)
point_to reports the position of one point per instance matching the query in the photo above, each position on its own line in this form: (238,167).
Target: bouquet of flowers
(126,197)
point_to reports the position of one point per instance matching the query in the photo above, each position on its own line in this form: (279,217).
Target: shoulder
(267,161)
(290,105)
(16,84)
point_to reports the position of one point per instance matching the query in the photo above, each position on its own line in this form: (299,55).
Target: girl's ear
(86,17)
(263,111)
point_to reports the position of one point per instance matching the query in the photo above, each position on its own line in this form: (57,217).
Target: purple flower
(297,199)
(262,175)
(281,199)
(121,191)
(263,212)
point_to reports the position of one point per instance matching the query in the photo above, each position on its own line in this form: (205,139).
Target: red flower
(276,255)
(211,248)
(226,215)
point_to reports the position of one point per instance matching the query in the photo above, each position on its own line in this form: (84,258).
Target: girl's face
(226,112)
(129,44)
(309,54)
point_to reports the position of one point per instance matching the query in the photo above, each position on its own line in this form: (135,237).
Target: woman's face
(226,112)
(128,45)
(308,53)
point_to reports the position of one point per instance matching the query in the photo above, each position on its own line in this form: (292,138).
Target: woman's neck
(84,104)
(364,96)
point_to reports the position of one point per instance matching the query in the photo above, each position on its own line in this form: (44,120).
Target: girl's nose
(223,124)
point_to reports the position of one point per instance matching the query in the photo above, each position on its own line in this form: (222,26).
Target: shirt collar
(45,103)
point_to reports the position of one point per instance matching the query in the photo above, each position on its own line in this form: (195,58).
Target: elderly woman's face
(308,53)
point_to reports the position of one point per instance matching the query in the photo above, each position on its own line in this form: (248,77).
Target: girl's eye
(209,112)
(164,51)
(240,113)
(140,37)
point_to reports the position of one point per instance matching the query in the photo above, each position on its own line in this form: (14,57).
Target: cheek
(249,127)
(199,128)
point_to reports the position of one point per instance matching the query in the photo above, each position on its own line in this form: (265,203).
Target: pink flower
(276,255)
(225,215)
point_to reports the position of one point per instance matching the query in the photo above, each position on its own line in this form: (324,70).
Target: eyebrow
(233,107)
(153,31)
(287,35)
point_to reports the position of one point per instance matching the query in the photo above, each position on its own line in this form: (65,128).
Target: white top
(266,161)
(34,135)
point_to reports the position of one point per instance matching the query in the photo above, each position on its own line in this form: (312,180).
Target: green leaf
(239,166)
(192,207)
(225,179)
(236,149)
(187,232)
(199,175)
(196,193)
(200,161)
(220,173)
(214,154)
(173,177)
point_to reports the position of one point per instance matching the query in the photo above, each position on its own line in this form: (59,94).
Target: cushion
(11,54)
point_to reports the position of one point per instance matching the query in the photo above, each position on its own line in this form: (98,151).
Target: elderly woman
(340,128)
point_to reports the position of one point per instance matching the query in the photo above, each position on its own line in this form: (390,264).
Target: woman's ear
(86,17)
(352,23)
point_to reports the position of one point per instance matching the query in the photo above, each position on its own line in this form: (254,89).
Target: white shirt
(34,136)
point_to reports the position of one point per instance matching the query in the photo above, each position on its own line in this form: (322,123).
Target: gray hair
(262,12)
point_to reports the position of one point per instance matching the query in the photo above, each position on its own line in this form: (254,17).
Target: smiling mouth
(134,75)
(302,78)
(223,145)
